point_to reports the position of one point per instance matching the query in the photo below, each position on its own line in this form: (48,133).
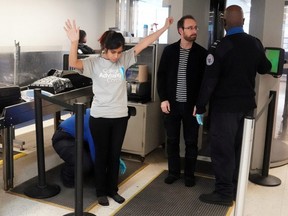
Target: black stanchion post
(265,179)
(8,163)
(79,109)
(79,158)
(40,190)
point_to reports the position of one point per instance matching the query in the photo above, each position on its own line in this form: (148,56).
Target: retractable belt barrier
(247,142)
(24,112)
(41,189)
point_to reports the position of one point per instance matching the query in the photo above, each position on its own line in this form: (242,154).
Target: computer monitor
(276,57)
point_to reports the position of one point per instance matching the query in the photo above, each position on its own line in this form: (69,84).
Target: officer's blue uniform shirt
(69,126)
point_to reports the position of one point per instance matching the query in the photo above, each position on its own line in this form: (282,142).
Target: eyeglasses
(191,28)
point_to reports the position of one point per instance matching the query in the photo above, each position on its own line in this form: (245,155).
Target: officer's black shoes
(117,198)
(103,200)
(171,179)
(189,181)
(216,198)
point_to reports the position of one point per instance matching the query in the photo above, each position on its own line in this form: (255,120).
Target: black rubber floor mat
(158,199)
(66,196)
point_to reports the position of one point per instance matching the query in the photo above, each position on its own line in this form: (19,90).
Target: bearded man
(179,78)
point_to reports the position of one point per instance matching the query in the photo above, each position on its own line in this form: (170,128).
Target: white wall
(176,11)
(269,31)
(196,8)
(110,15)
(200,11)
(38,24)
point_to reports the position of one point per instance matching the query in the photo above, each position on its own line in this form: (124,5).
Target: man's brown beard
(190,39)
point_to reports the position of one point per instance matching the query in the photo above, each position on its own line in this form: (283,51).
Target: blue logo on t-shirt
(122,71)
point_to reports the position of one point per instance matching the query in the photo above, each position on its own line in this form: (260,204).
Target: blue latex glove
(122,167)
(199,118)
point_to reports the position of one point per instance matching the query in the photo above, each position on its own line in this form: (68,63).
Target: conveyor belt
(22,112)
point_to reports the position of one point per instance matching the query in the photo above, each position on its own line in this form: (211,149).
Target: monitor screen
(276,57)
(273,56)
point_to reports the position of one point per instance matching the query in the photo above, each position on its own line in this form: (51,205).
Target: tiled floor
(259,200)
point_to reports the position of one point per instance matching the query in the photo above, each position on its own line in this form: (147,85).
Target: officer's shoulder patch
(209,59)
(214,45)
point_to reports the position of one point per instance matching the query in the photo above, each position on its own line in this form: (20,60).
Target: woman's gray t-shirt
(109,84)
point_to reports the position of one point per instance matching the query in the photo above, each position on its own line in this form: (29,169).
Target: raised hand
(169,22)
(72,30)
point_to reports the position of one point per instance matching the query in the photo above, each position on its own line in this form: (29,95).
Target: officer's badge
(209,60)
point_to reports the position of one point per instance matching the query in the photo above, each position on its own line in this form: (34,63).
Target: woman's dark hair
(82,35)
(111,40)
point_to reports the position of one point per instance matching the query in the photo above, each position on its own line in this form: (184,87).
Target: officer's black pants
(225,137)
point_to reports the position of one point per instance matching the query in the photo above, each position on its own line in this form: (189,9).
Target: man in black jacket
(179,78)
(229,82)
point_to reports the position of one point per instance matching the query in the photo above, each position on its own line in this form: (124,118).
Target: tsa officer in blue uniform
(228,85)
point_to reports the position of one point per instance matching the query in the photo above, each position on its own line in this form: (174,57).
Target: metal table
(23,112)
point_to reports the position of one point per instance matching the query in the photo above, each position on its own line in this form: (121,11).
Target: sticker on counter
(133,88)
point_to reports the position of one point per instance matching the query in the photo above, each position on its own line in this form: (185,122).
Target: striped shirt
(181,88)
